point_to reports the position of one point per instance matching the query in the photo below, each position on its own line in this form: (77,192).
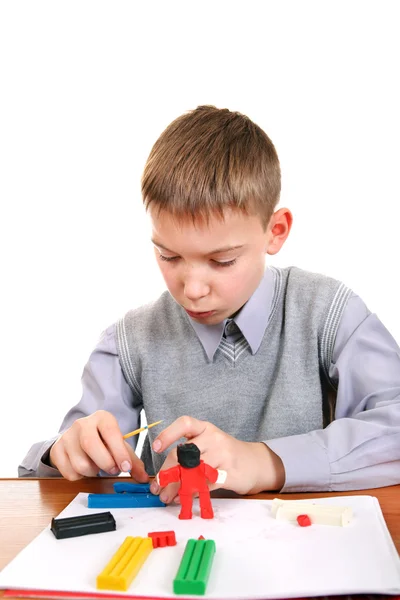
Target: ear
(278,230)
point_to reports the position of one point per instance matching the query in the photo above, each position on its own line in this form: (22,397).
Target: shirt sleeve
(104,387)
(360,449)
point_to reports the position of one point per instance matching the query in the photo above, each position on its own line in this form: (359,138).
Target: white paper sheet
(257,557)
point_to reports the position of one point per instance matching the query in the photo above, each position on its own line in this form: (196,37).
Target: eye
(227,263)
(168,258)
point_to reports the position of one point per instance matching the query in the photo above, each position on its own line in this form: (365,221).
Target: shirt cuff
(44,468)
(46,471)
(305,461)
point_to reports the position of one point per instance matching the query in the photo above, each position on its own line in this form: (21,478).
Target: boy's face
(211,269)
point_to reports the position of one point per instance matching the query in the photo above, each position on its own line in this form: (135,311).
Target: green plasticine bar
(195,568)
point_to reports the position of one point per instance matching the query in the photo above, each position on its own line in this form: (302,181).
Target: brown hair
(210,159)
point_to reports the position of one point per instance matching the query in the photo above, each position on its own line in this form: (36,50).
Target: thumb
(170,491)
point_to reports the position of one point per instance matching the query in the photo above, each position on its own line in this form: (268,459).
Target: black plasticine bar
(74,526)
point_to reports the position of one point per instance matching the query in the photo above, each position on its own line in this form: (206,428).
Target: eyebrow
(216,251)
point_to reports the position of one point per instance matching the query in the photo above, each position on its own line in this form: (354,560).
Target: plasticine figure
(193,475)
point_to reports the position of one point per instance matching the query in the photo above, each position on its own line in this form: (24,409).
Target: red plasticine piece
(162,538)
(201,538)
(304,520)
(193,474)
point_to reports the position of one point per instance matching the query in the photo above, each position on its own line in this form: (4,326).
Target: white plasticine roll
(319,514)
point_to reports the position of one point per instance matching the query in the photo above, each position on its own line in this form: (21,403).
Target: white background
(87,87)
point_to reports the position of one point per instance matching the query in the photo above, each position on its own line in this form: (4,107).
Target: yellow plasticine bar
(125,564)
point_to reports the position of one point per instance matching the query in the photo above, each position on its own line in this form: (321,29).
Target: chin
(213,320)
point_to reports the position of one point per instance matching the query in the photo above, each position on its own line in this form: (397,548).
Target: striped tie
(234,350)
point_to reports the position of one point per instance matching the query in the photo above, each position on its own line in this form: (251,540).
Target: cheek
(234,284)
(243,282)
(170,276)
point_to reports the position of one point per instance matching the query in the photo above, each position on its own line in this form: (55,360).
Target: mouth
(200,315)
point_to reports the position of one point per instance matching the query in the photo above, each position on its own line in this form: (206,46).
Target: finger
(93,445)
(114,445)
(187,427)
(138,471)
(61,460)
(169,492)
(80,462)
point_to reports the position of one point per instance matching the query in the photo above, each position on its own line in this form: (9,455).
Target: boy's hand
(251,466)
(92,444)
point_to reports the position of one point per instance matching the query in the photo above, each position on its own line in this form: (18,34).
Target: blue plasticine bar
(132,488)
(124,501)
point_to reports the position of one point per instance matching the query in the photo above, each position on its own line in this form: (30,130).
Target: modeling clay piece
(303,520)
(124,501)
(193,474)
(131,488)
(162,538)
(83,525)
(319,514)
(195,567)
(128,495)
(125,564)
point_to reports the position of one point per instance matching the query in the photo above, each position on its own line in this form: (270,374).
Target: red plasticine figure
(193,474)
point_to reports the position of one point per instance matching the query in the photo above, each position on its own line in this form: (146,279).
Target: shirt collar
(252,319)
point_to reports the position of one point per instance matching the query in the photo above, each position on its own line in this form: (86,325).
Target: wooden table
(28,505)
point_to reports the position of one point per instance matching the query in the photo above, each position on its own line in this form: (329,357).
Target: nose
(195,287)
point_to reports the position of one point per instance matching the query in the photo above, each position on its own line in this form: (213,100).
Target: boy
(290,382)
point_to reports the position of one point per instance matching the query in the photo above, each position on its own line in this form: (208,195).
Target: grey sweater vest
(284,389)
